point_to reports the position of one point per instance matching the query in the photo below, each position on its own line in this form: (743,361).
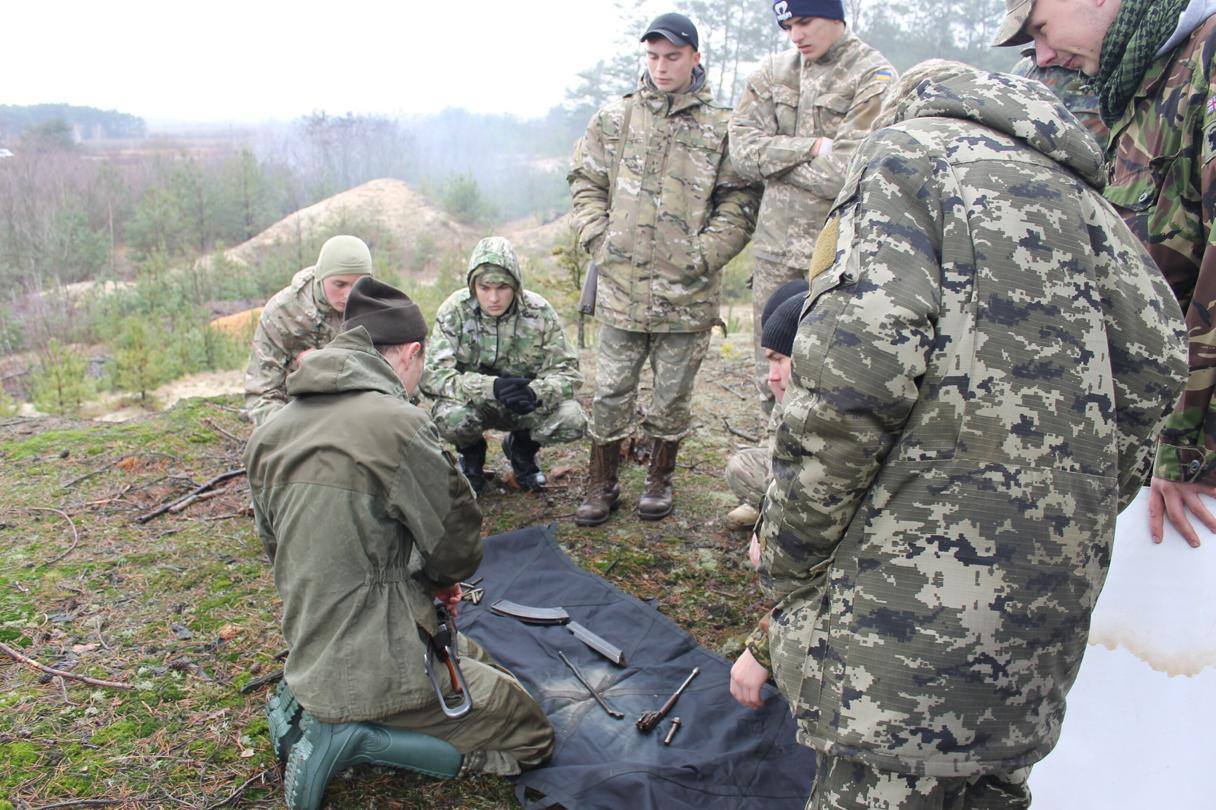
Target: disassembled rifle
(442,646)
(598,698)
(649,720)
(531,615)
(597,643)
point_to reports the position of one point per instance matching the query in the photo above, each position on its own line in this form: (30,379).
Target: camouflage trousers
(766,278)
(842,784)
(504,733)
(748,473)
(463,423)
(675,359)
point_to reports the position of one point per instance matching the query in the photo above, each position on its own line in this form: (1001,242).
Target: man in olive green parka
(349,482)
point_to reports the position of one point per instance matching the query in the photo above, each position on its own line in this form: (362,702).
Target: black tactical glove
(506,388)
(522,401)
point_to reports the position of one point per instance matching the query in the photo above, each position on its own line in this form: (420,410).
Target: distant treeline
(89,122)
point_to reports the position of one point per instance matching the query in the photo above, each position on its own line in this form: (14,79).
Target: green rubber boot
(283,719)
(327,748)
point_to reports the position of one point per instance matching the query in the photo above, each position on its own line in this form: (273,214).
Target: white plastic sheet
(1140,731)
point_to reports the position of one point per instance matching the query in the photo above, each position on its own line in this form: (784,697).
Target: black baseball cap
(675,28)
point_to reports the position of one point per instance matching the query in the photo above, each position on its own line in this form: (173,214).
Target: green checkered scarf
(1139,29)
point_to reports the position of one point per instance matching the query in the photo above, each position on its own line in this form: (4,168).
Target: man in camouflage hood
(499,359)
(797,123)
(983,359)
(303,316)
(658,206)
(1152,67)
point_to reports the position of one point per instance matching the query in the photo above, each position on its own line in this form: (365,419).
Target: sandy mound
(379,207)
(534,239)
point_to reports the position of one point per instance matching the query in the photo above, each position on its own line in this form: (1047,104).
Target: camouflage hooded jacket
(468,349)
(1162,165)
(786,106)
(295,319)
(349,481)
(980,367)
(678,213)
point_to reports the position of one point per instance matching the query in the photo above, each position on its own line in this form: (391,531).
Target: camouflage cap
(344,256)
(1012,33)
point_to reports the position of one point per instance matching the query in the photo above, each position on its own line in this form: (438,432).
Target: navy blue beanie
(786,10)
(780,318)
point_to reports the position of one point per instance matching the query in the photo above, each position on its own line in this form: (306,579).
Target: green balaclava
(340,256)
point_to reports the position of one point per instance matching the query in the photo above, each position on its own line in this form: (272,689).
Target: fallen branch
(89,475)
(181,506)
(726,387)
(219,479)
(257,683)
(237,793)
(207,421)
(742,434)
(71,523)
(79,803)
(42,667)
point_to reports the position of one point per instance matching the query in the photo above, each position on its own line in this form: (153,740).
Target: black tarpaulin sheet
(723,756)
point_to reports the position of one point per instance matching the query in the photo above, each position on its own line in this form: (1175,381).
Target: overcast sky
(251,61)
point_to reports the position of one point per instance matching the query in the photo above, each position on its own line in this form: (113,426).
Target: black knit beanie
(388,315)
(780,318)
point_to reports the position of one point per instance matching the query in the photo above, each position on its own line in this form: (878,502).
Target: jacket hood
(348,363)
(1193,16)
(698,92)
(1020,108)
(495,250)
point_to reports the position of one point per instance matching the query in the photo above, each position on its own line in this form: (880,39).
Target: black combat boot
(656,501)
(473,464)
(520,449)
(603,492)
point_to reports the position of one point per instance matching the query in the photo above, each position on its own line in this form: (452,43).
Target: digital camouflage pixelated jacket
(1072,88)
(978,373)
(678,214)
(349,480)
(469,349)
(1163,180)
(786,105)
(295,319)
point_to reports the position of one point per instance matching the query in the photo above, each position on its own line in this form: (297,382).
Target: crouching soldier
(349,483)
(499,360)
(303,316)
(749,471)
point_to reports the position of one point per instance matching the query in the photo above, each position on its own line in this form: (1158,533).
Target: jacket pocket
(830,110)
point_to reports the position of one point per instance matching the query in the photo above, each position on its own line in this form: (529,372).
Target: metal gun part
(597,643)
(598,698)
(442,646)
(532,615)
(649,720)
(671,732)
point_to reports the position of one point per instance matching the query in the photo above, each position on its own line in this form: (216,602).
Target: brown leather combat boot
(603,492)
(656,501)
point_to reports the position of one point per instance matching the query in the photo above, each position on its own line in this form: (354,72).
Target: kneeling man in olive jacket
(350,480)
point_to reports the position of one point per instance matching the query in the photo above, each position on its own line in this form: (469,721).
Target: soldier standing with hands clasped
(797,124)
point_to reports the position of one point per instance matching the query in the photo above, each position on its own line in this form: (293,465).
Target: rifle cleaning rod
(603,704)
